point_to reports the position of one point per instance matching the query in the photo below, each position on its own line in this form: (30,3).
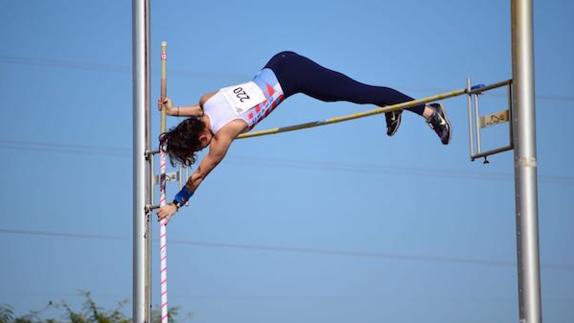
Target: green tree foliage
(90,313)
(6,313)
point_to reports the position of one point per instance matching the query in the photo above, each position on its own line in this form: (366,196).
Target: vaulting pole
(525,164)
(162,192)
(141,164)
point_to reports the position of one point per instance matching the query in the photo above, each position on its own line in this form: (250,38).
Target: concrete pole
(141,164)
(525,165)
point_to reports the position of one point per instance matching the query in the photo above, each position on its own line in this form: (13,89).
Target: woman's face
(205,138)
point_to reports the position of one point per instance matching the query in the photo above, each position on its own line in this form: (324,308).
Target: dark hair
(182,142)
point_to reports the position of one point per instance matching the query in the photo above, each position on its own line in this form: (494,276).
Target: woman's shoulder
(233,129)
(204,98)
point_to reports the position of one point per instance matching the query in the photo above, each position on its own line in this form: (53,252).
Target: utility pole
(141,161)
(525,164)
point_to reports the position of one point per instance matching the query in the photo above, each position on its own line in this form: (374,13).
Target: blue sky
(334,224)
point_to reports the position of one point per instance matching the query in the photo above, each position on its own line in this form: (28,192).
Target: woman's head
(185,140)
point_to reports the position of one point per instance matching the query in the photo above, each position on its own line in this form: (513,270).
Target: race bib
(244,96)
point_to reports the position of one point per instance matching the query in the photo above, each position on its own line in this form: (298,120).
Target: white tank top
(250,102)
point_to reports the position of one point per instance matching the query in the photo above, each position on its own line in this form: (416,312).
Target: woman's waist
(267,81)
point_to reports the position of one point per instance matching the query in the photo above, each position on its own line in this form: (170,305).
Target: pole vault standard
(141,161)
(525,165)
(523,141)
(143,178)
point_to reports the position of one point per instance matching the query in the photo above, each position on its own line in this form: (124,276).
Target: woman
(222,116)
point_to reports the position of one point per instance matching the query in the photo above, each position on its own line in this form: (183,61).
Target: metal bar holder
(178,176)
(476,122)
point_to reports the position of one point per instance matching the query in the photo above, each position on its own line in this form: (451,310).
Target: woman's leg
(298,74)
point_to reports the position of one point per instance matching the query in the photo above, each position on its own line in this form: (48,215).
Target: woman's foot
(439,123)
(393,121)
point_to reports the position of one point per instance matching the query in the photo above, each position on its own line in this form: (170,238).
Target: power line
(301,250)
(373,169)
(117,68)
(65,148)
(110,68)
(125,152)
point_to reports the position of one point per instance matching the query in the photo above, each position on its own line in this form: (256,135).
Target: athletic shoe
(439,123)
(393,121)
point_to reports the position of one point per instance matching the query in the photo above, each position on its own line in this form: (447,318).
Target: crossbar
(379,110)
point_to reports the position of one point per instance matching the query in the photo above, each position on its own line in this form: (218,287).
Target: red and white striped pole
(162,184)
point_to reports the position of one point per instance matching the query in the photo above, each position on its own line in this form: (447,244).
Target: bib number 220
(241,94)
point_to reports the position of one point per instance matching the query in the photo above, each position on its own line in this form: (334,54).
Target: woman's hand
(166,212)
(167,104)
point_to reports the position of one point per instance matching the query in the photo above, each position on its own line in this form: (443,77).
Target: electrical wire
(301,250)
(363,168)
(116,68)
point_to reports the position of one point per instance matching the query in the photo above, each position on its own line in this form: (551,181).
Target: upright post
(141,162)
(525,165)
(162,182)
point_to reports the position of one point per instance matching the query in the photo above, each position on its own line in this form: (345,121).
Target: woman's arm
(195,110)
(217,150)
(185,111)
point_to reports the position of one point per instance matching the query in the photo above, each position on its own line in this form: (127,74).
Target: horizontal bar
(353,116)
(491,152)
(490,87)
(379,110)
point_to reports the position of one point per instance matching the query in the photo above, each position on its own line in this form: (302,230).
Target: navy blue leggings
(298,74)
